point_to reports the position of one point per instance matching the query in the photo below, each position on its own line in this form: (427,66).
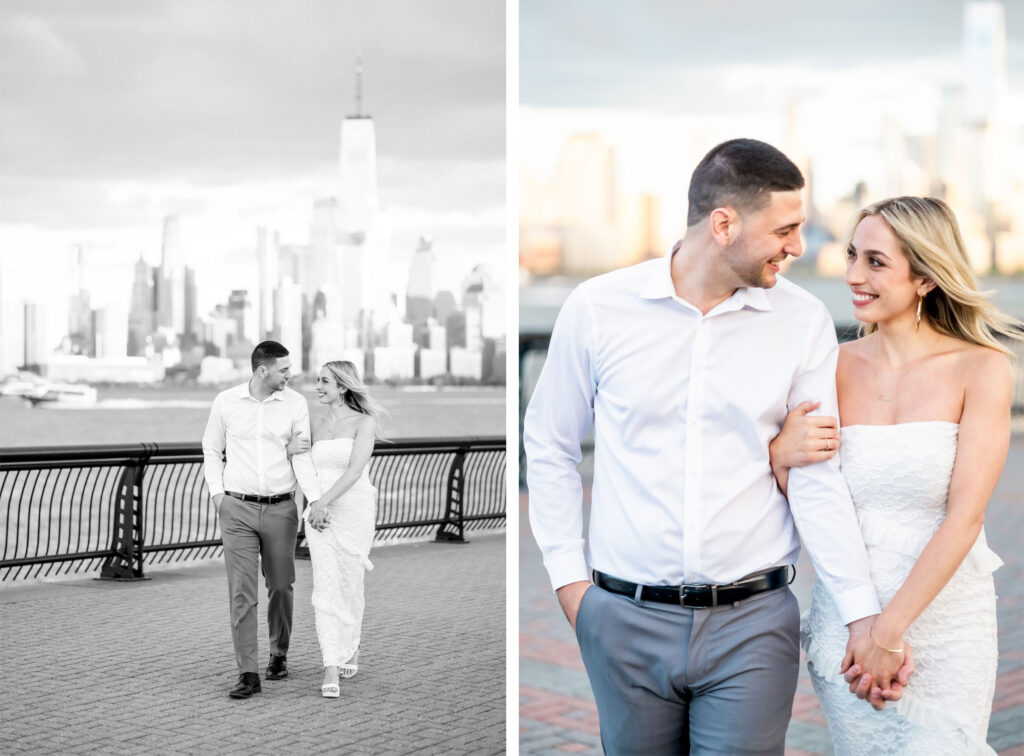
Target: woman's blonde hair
(354,391)
(929,236)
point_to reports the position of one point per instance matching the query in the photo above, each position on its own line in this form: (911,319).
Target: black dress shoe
(278,668)
(248,683)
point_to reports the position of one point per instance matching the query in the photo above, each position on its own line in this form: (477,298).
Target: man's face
(275,374)
(765,238)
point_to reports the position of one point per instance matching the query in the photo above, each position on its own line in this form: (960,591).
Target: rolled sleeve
(558,418)
(818,496)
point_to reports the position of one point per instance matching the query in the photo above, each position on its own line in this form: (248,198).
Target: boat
(18,387)
(63,395)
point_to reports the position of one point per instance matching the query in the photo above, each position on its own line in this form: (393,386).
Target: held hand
(297,444)
(853,673)
(804,439)
(570,596)
(317,514)
(902,676)
(874,673)
(217,499)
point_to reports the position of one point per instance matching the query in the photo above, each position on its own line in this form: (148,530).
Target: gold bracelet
(890,650)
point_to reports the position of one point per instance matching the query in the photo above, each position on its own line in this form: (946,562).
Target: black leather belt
(697,596)
(253,499)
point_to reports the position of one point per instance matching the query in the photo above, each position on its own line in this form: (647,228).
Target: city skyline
(110,127)
(863,102)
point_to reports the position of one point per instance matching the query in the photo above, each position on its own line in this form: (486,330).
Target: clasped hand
(873,672)
(317,517)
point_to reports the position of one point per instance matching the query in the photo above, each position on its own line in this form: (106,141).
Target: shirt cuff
(567,568)
(215,491)
(857,603)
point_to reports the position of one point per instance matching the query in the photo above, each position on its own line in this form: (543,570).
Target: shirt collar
(242,392)
(659,286)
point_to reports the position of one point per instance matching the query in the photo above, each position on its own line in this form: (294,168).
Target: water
(179,414)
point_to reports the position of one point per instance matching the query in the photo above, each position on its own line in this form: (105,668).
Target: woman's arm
(362,450)
(803,440)
(984,440)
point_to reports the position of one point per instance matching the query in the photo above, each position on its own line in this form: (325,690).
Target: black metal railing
(118,508)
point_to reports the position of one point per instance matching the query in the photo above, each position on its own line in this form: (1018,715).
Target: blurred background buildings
(603,175)
(199,208)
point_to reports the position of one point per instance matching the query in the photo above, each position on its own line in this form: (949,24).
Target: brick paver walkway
(98,667)
(557,712)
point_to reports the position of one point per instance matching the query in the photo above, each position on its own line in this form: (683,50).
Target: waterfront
(179,414)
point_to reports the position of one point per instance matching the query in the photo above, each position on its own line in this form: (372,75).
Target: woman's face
(327,390)
(878,274)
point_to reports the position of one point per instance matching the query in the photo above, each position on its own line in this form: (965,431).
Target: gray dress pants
(249,531)
(670,680)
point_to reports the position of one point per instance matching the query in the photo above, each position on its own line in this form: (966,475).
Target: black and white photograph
(253,377)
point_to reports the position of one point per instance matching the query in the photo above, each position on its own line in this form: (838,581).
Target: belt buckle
(684,590)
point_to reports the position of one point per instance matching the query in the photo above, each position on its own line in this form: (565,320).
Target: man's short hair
(741,174)
(267,352)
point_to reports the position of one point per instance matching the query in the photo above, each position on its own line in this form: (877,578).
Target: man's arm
(214,442)
(559,416)
(818,496)
(302,464)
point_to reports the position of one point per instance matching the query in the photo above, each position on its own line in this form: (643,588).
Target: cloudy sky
(665,80)
(678,57)
(115,114)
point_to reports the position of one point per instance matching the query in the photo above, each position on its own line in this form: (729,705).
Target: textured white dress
(898,476)
(340,553)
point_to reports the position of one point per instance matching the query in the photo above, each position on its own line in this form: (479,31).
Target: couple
(685,368)
(252,431)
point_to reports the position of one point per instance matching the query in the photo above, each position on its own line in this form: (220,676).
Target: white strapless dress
(898,476)
(340,553)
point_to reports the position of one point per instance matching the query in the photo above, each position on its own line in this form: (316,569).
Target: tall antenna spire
(359,85)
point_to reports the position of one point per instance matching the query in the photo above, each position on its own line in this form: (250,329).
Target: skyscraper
(288,305)
(193,329)
(36,351)
(141,309)
(419,296)
(170,295)
(984,58)
(362,243)
(266,248)
(357,169)
(80,333)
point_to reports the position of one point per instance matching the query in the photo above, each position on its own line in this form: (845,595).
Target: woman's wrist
(886,639)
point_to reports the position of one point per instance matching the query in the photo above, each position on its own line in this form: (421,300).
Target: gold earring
(917,323)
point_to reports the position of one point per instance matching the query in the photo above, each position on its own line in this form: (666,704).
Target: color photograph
(771,395)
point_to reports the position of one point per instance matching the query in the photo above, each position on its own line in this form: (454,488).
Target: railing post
(128,536)
(452,529)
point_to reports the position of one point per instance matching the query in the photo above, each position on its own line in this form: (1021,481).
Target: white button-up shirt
(683,407)
(253,434)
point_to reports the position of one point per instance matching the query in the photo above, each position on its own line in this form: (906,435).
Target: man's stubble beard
(750,273)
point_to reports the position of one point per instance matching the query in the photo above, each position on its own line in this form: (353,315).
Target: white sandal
(330,690)
(349,669)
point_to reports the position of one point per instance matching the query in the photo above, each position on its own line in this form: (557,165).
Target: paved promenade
(129,668)
(557,712)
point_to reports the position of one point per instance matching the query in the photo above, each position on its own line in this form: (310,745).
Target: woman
(340,524)
(924,398)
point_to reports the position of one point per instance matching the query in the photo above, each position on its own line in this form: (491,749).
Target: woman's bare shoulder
(983,365)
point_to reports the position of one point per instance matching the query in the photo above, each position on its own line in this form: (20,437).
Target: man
(685,367)
(251,483)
